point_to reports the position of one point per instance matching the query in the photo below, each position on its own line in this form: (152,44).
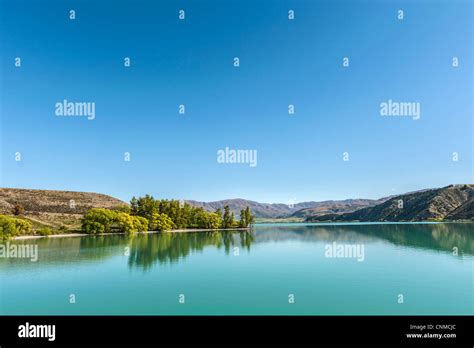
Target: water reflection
(440,237)
(145,250)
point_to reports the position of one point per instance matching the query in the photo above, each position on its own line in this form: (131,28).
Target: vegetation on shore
(60,212)
(143,214)
(43,212)
(149,214)
(12,226)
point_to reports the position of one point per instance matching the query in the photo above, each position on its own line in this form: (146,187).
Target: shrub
(7,227)
(122,209)
(131,224)
(215,221)
(93,227)
(11,227)
(99,220)
(208,220)
(161,222)
(141,223)
(45,231)
(126,223)
(23,226)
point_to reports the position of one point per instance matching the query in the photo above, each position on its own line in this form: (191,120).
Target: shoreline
(190,230)
(64,235)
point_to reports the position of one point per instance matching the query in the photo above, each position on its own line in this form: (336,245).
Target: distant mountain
(65,208)
(260,210)
(454,202)
(336,207)
(280,210)
(51,207)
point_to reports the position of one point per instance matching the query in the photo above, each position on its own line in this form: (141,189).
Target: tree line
(149,214)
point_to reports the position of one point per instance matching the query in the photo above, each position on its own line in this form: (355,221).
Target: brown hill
(54,208)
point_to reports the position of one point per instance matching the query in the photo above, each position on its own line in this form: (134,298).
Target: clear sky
(282,62)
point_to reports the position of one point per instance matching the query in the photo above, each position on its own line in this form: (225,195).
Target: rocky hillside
(54,208)
(454,202)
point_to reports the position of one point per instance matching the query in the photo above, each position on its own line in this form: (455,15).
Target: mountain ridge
(48,207)
(55,208)
(280,210)
(453,202)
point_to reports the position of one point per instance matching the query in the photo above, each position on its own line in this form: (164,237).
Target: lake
(276,269)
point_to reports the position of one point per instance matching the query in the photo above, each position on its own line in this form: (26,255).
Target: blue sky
(190,62)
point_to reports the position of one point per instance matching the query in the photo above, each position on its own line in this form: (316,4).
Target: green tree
(208,220)
(177,216)
(8,228)
(99,220)
(134,206)
(186,215)
(141,224)
(242,218)
(248,217)
(226,220)
(11,227)
(215,221)
(146,207)
(23,226)
(45,231)
(161,222)
(123,208)
(126,223)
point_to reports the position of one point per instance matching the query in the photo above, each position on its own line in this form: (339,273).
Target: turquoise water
(256,272)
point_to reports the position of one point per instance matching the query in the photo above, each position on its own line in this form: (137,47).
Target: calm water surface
(248,272)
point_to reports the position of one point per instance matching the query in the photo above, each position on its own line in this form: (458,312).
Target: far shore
(320,223)
(114,233)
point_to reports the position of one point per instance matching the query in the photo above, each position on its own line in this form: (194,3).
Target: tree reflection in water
(147,249)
